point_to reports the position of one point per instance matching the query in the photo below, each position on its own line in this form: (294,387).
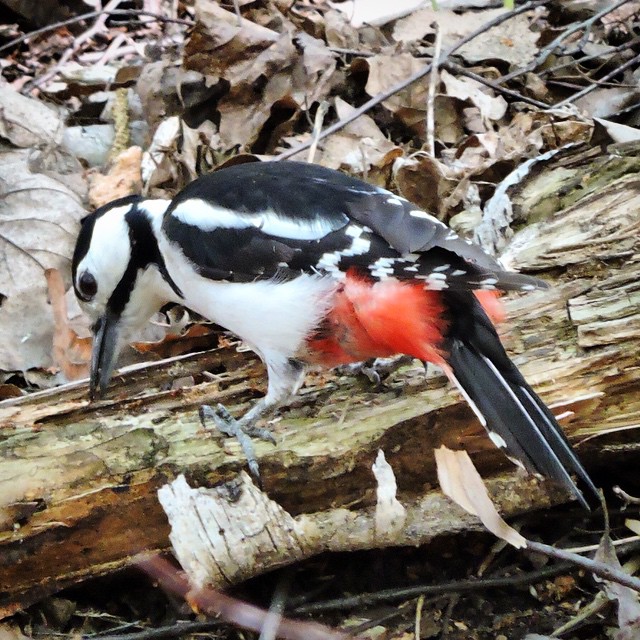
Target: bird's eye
(87,286)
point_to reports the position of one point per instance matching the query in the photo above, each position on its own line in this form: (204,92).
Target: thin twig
(594,547)
(605,571)
(459,70)
(170,631)
(431,92)
(593,87)
(454,586)
(551,47)
(317,128)
(601,54)
(97,26)
(272,621)
(446,618)
(418,620)
(460,586)
(626,497)
(89,16)
(381,97)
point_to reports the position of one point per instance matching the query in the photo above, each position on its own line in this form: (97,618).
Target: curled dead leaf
(461,482)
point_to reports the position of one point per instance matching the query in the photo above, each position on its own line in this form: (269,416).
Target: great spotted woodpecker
(312,267)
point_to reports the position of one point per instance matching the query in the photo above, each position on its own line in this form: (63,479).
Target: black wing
(260,219)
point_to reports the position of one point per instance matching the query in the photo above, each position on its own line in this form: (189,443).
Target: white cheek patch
(108,254)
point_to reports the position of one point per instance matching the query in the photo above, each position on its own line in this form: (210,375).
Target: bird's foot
(243,432)
(378,369)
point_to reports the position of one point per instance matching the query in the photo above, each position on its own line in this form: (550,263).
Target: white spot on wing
(394,200)
(442,267)
(382,268)
(329,261)
(432,283)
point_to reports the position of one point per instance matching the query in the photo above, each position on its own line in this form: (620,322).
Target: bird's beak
(103,356)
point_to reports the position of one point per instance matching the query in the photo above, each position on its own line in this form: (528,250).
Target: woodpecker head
(117,274)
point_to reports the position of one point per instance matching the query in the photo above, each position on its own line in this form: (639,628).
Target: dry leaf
(10,391)
(626,598)
(11,632)
(26,330)
(39,221)
(358,146)
(123,179)
(196,338)
(158,163)
(70,353)
(619,132)
(607,101)
(634,525)
(219,44)
(338,32)
(491,107)
(387,70)
(26,122)
(425,181)
(461,482)
(512,41)
(287,72)
(452,26)
(375,12)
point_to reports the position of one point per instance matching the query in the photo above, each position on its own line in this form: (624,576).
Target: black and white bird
(312,267)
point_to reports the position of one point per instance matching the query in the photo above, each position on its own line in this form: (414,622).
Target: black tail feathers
(515,417)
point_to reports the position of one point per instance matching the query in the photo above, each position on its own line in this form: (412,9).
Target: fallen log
(78,481)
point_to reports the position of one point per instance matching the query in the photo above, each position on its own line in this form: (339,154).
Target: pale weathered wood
(78,483)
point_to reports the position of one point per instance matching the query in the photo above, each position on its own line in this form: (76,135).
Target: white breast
(270,316)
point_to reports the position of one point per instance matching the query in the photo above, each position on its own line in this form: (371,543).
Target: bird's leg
(285,378)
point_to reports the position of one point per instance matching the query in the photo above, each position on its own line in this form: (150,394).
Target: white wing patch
(382,268)
(207,217)
(329,261)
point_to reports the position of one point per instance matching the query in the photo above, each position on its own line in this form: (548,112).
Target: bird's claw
(378,369)
(243,433)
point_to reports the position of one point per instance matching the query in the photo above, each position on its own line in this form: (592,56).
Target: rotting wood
(78,482)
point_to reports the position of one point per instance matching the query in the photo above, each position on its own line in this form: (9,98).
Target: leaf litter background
(145,98)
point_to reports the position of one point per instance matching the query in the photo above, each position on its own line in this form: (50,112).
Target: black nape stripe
(144,252)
